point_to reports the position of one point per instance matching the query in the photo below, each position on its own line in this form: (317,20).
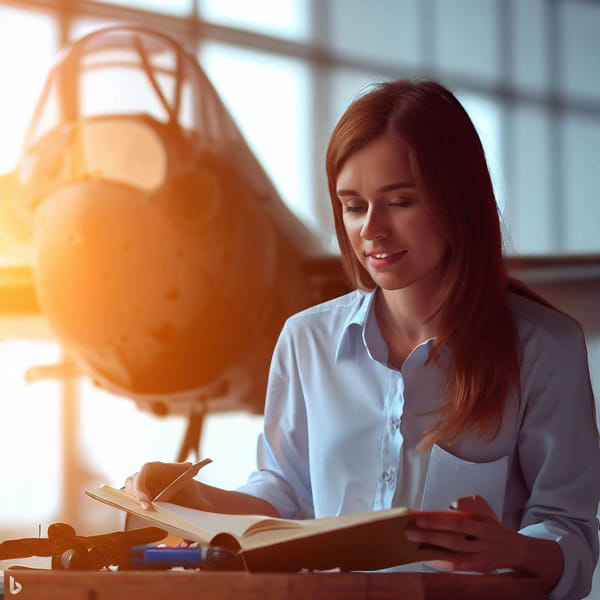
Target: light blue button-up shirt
(342,427)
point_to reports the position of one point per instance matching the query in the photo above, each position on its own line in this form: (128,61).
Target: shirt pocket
(449,478)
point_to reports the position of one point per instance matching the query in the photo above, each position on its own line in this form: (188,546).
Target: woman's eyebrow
(384,188)
(396,186)
(341,193)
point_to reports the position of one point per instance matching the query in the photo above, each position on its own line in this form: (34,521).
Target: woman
(439,381)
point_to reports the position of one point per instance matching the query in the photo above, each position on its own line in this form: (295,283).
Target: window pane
(230,440)
(580,71)
(529,210)
(173,7)
(486,116)
(581,138)
(593,344)
(388,33)
(530,42)
(30,438)
(28,45)
(466,38)
(268,97)
(117,437)
(280,18)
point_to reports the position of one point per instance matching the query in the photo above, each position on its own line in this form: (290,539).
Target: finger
(475,505)
(140,489)
(129,484)
(444,539)
(459,524)
(131,487)
(153,478)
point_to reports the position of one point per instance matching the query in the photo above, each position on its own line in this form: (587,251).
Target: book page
(160,517)
(256,537)
(188,523)
(272,523)
(215,523)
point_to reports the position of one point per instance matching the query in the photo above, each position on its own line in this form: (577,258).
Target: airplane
(160,252)
(158,249)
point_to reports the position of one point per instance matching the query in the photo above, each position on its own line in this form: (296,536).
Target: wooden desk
(193,585)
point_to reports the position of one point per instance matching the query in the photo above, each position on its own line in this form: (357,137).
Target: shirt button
(388,476)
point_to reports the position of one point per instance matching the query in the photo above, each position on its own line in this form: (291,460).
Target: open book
(359,542)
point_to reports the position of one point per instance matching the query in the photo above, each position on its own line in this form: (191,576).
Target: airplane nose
(136,297)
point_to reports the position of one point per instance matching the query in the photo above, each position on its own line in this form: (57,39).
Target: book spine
(226,541)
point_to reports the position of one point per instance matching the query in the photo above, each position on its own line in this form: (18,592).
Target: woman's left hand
(478,543)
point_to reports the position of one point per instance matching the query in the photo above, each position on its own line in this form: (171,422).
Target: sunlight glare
(28,43)
(30,433)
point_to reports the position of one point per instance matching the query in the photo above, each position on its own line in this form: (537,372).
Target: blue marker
(207,558)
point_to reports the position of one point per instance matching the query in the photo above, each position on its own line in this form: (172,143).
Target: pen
(180,480)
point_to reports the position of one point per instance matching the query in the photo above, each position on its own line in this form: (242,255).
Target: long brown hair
(452,176)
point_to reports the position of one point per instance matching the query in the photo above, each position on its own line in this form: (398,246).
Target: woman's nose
(374,226)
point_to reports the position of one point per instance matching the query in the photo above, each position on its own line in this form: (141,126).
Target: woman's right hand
(154,477)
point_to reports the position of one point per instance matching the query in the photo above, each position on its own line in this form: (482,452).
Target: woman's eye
(353,208)
(401,202)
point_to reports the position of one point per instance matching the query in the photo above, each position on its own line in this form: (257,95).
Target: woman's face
(389,229)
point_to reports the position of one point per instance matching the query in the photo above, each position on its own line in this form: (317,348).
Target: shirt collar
(362,320)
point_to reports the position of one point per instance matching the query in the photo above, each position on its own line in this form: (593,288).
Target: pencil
(179,481)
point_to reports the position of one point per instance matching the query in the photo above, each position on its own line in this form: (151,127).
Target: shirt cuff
(550,531)
(273,489)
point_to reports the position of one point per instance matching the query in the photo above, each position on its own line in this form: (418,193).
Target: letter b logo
(14,587)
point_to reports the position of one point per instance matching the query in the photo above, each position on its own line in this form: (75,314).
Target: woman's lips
(390,258)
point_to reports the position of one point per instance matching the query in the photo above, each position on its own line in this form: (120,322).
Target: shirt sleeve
(560,459)
(282,476)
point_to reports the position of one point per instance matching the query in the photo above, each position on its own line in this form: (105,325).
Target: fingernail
(145,505)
